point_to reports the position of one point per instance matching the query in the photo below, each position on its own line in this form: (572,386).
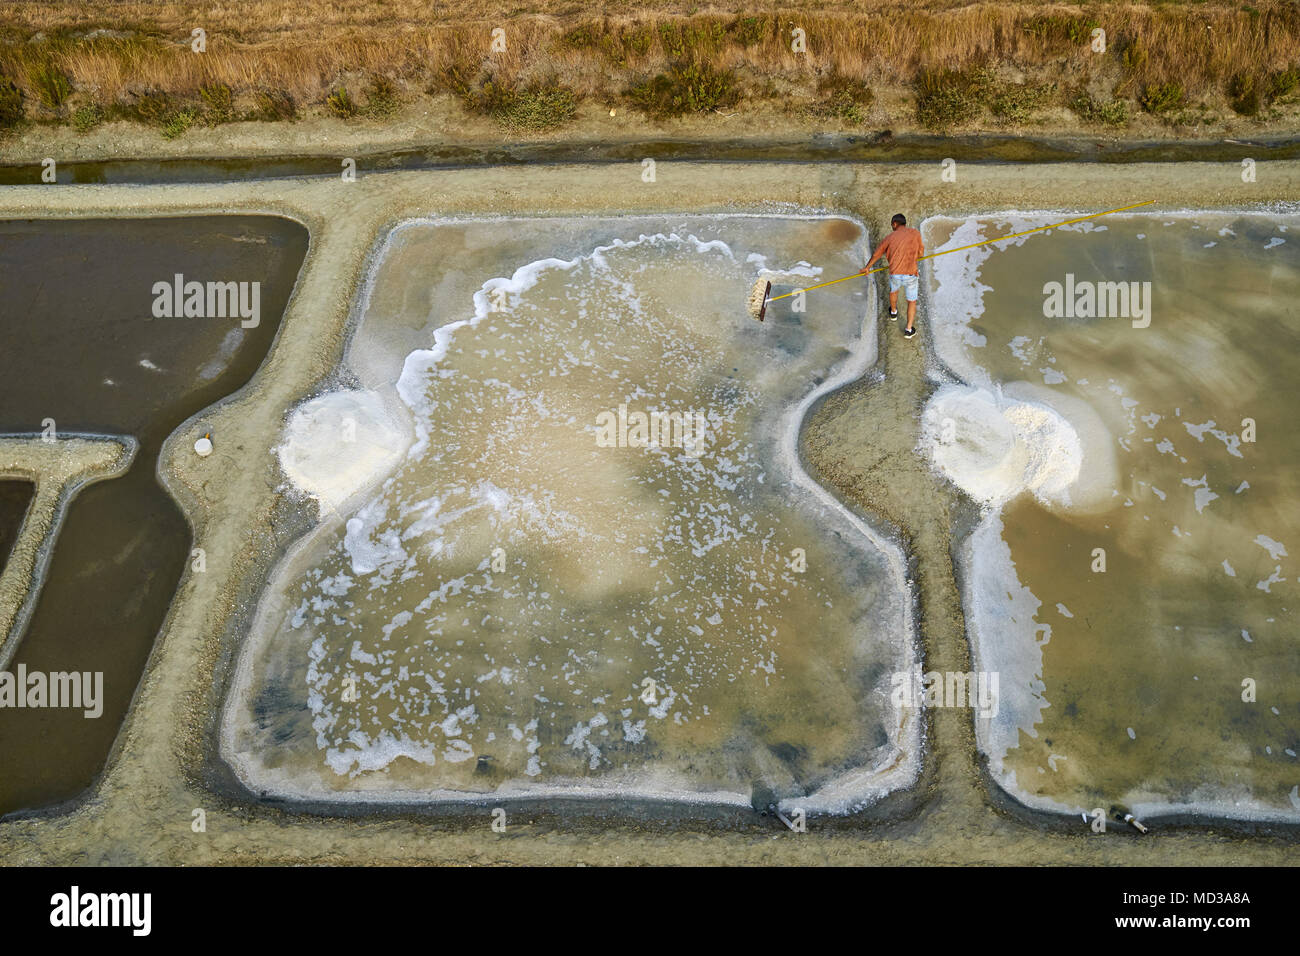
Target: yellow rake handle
(933,255)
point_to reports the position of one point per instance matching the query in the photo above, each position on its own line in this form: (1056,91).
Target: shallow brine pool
(566,546)
(1127,422)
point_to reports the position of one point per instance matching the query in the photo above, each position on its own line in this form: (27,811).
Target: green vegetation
(531,109)
(50,84)
(11,103)
(668,65)
(1244,94)
(946,98)
(149,107)
(340,103)
(584,37)
(685,88)
(1092,110)
(1016,102)
(618,44)
(218,104)
(843,98)
(171,116)
(457,78)
(1132,54)
(750,31)
(637,40)
(382,99)
(672,41)
(179,121)
(161,111)
(1200,116)
(273,105)
(1160,98)
(86,118)
(1249,92)
(1061,30)
(1284,83)
(694,38)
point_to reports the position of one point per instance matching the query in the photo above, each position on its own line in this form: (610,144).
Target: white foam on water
(1230,441)
(218,363)
(369,552)
(801,269)
(1275,549)
(1202,494)
(1266,585)
(412,384)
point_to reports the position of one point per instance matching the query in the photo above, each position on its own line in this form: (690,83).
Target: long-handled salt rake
(760,294)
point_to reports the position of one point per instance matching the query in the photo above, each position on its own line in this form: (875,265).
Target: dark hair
(899,219)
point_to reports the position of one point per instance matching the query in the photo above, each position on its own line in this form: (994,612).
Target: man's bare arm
(874,256)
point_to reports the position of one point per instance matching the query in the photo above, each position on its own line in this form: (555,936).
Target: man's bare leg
(893,302)
(911,314)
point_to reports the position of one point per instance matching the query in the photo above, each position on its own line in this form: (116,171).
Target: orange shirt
(902,248)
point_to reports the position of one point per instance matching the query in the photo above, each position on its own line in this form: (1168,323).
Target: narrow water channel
(15,496)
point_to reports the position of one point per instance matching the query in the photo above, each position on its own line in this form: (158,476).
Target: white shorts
(910,283)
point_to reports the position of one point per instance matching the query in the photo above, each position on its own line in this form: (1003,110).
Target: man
(901,249)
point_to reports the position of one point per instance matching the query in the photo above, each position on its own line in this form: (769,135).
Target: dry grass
(302,51)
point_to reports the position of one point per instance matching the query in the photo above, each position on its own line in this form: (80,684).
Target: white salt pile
(994,446)
(342,444)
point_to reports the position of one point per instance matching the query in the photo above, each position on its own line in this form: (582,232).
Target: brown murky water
(83,348)
(1173,677)
(15,496)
